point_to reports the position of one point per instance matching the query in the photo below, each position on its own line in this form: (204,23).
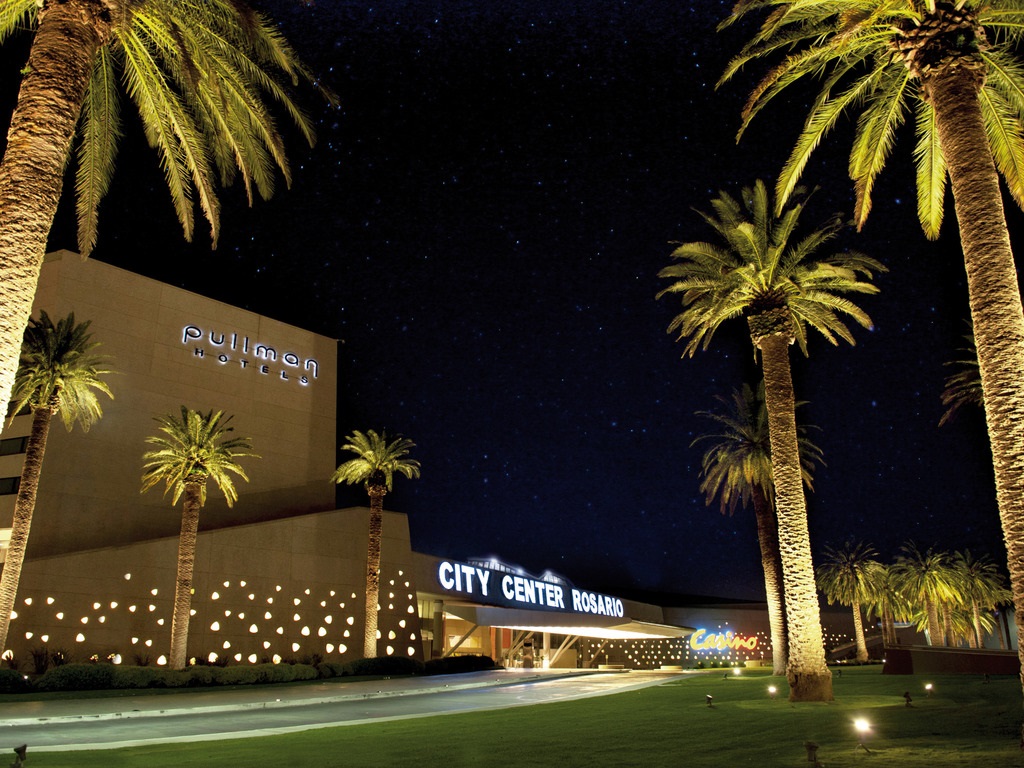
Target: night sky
(482,222)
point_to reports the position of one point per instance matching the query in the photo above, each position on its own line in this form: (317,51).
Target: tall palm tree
(201,74)
(847,576)
(375,465)
(59,373)
(954,67)
(887,602)
(194,448)
(982,587)
(928,581)
(762,272)
(737,469)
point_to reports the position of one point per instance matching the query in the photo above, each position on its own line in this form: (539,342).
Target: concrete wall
(89,494)
(290,588)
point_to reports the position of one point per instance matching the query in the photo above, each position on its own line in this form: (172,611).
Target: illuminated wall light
(102,619)
(212,658)
(153,592)
(392,582)
(341,605)
(277,588)
(391,607)
(342,648)
(127,577)
(238,657)
(45,638)
(328,619)
(296,617)
(252,596)
(192,612)
(411,610)
(322,632)
(152,607)
(401,572)
(270,600)
(304,632)
(28,635)
(14,615)
(215,627)
(332,593)
(227,584)
(392,635)
(227,613)
(402,623)
(412,635)
(116,658)
(135,641)
(296,601)
(354,595)
(268,615)
(266,645)
(253,629)
(85,619)
(280,630)
(276,658)
(162,661)
(378,634)
(215,596)
(79,638)
(241,617)
(295,647)
(49,601)
(391,595)
(307,591)
(227,644)
(350,620)
(28,601)
(347,634)
(131,609)
(389,650)
(148,643)
(329,647)
(253,658)
(411,651)
(113,605)
(323,603)
(95,606)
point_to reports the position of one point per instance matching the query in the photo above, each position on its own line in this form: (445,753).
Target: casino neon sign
(702,640)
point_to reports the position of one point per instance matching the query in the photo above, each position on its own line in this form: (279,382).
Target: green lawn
(966,722)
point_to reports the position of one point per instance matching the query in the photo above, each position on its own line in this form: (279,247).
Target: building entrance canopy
(601,627)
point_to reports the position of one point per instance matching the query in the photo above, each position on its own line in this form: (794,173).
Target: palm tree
(982,587)
(760,271)
(737,468)
(886,601)
(193,448)
(954,67)
(201,74)
(375,464)
(927,580)
(963,386)
(58,374)
(847,576)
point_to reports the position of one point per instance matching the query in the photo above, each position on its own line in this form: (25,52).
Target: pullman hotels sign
(515,590)
(238,350)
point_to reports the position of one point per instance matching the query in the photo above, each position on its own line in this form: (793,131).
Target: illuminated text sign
(702,640)
(235,349)
(510,590)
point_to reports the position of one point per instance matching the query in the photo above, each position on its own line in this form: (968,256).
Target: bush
(459,664)
(236,675)
(77,677)
(199,675)
(328,669)
(12,681)
(142,677)
(40,658)
(384,666)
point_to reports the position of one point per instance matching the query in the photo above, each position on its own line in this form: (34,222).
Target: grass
(965,722)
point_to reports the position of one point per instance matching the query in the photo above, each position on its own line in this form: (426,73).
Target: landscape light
(928,688)
(709,698)
(772,690)
(863,728)
(812,753)
(736,671)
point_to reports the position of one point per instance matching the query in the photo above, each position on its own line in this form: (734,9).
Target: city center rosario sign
(514,590)
(234,349)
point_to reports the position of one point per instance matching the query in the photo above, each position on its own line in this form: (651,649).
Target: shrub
(139,677)
(236,675)
(60,656)
(384,665)
(77,677)
(12,681)
(199,676)
(459,664)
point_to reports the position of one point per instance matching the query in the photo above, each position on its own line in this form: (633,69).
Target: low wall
(928,660)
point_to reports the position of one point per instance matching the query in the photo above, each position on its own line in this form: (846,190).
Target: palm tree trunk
(947,625)
(24,507)
(38,145)
(994,295)
(178,657)
(931,612)
(858,633)
(999,629)
(808,675)
(771,563)
(373,548)
(888,625)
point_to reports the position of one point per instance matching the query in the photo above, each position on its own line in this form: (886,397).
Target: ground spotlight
(928,688)
(709,699)
(772,690)
(812,753)
(863,728)
(19,759)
